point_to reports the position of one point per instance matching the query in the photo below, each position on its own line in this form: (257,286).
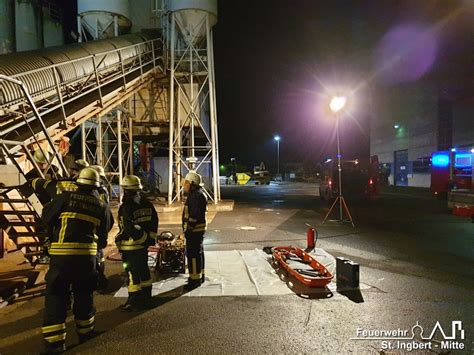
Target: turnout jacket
(138,224)
(46,189)
(194,212)
(79,221)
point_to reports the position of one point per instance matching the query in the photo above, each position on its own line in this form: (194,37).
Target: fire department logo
(417,338)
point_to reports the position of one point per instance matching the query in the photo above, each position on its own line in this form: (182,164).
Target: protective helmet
(193,177)
(88,177)
(131,182)
(81,164)
(41,156)
(99,169)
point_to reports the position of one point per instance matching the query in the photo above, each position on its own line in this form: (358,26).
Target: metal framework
(132,73)
(108,141)
(20,215)
(193,120)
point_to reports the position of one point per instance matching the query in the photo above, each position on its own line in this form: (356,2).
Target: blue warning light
(440,159)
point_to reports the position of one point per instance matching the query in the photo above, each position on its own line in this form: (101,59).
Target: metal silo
(193,140)
(27,25)
(103,19)
(7,27)
(52,25)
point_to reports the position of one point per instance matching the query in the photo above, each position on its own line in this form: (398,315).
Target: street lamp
(336,105)
(277,139)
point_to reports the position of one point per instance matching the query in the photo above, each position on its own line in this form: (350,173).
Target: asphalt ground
(416,266)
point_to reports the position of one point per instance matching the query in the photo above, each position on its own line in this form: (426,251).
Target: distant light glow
(276,138)
(472,150)
(406,53)
(396,126)
(337,103)
(339,155)
(440,159)
(453,149)
(328,160)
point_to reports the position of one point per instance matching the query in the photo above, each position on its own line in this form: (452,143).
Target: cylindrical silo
(7,27)
(193,114)
(27,24)
(190,15)
(104,18)
(52,26)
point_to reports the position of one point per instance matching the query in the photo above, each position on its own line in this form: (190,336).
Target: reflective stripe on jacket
(194,212)
(138,224)
(79,221)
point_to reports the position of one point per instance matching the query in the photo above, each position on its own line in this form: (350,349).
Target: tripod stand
(340,197)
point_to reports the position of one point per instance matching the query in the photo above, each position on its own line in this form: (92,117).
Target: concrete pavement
(416,266)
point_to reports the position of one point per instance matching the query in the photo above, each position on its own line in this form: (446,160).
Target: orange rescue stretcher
(302,266)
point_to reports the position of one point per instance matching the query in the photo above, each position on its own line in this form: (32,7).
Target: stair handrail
(44,130)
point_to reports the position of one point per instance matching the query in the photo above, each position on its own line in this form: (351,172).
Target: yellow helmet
(41,156)
(88,177)
(131,182)
(81,164)
(99,169)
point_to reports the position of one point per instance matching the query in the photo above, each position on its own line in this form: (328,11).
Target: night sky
(273,55)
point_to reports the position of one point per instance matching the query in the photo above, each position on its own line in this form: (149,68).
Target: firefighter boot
(147,301)
(53,348)
(133,302)
(85,337)
(192,284)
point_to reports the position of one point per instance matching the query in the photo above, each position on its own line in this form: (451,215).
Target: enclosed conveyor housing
(45,93)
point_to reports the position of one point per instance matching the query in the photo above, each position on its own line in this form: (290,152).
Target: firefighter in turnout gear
(104,197)
(80,223)
(194,227)
(138,223)
(103,192)
(41,158)
(46,190)
(77,167)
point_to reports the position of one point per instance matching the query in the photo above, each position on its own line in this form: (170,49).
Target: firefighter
(80,222)
(138,223)
(103,192)
(103,282)
(194,227)
(46,190)
(76,168)
(41,158)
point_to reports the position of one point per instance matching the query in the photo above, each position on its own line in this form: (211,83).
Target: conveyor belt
(48,92)
(68,83)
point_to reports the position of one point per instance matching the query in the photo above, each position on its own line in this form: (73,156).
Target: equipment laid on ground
(170,254)
(347,273)
(302,266)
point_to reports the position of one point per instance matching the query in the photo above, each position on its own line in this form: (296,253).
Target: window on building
(422,165)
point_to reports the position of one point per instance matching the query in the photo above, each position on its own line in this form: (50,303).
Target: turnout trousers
(195,255)
(135,264)
(76,272)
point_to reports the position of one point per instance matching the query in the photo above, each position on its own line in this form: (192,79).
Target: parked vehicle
(359,179)
(261,175)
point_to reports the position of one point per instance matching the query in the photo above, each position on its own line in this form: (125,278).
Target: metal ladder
(20,215)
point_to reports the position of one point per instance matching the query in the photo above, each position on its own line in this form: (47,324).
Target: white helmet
(194,178)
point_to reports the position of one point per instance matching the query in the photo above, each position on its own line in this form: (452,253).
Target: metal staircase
(50,92)
(20,216)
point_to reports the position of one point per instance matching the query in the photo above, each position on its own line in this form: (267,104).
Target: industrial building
(411,121)
(135,94)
